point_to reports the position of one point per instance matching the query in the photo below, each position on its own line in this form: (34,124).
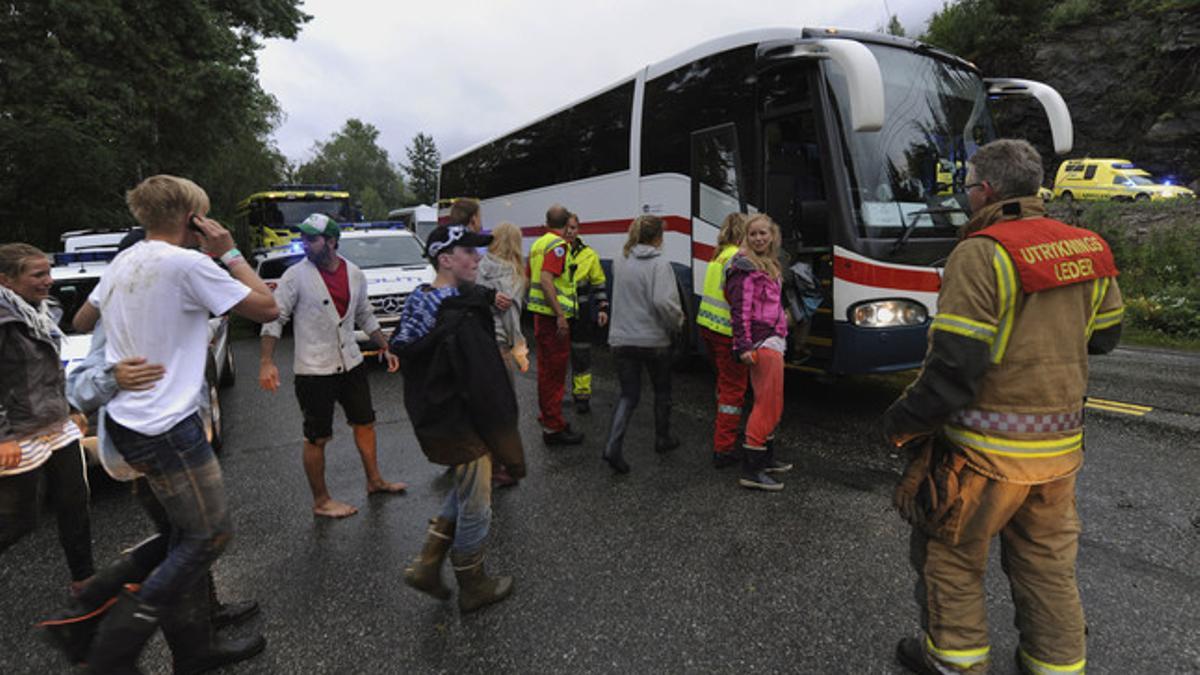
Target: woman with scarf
(37,435)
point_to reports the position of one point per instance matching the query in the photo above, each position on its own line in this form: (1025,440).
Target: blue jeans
(185,476)
(469,504)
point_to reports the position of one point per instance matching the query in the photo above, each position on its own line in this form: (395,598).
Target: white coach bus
(855,143)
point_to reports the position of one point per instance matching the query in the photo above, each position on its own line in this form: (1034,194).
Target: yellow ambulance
(1115,179)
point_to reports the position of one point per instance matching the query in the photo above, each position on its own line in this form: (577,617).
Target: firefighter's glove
(916,474)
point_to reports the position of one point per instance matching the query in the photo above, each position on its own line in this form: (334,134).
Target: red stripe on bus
(869,274)
(673,224)
(702,251)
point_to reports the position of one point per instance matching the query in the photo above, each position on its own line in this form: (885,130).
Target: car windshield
(912,171)
(1134,179)
(70,295)
(370,252)
(275,267)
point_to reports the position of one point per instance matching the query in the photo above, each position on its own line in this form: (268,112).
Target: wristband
(229,256)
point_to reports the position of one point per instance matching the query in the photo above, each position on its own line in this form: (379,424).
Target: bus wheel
(1068,197)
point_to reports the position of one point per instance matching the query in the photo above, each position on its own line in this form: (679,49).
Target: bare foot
(333,509)
(382,486)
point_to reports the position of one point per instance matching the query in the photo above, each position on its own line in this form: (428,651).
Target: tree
(97,94)
(896,28)
(353,159)
(424,162)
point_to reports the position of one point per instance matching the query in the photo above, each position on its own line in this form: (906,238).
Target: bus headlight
(888,314)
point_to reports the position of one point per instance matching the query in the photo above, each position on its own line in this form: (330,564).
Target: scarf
(37,319)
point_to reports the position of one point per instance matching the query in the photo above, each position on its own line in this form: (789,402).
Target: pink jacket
(755,304)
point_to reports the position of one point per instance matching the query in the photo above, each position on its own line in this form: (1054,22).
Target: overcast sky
(466,70)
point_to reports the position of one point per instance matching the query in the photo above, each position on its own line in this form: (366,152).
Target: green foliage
(97,94)
(896,28)
(1155,246)
(424,161)
(1071,13)
(991,33)
(353,158)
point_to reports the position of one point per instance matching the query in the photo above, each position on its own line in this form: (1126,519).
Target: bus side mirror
(863,77)
(1056,108)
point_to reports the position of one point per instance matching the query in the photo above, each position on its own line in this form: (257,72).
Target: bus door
(794,194)
(717,191)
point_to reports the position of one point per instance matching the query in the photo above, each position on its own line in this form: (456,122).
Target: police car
(75,275)
(393,261)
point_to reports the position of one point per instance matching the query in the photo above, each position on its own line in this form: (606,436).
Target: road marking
(1118,407)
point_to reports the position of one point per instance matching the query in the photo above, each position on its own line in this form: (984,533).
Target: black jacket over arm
(457,389)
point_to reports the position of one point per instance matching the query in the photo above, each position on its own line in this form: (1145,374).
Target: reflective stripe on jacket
(714,308)
(564,283)
(590,282)
(1025,425)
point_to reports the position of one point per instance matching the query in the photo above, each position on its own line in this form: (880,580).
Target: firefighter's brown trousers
(1039,537)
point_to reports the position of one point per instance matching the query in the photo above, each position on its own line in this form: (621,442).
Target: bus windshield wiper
(916,215)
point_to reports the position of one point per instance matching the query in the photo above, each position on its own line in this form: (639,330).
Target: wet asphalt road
(672,568)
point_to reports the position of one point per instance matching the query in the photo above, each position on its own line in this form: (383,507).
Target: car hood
(392,280)
(1168,190)
(75,349)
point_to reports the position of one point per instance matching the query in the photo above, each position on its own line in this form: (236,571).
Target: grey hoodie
(646,308)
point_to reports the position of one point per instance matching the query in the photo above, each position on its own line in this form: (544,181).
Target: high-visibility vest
(589,275)
(564,284)
(714,310)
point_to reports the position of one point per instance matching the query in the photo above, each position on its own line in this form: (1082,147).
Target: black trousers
(67,489)
(630,361)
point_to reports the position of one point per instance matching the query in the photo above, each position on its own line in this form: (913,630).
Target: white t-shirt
(156,300)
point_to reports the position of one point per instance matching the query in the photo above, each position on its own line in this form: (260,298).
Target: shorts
(317,394)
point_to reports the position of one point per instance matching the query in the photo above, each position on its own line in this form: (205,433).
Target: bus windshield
(910,173)
(290,213)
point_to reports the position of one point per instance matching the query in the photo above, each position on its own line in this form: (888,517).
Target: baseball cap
(319,223)
(446,237)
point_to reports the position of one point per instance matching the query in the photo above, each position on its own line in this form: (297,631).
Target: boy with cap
(463,410)
(326,296)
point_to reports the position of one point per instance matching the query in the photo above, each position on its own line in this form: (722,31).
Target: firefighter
(733,376)
(995,421)
(552,301)
(591,311)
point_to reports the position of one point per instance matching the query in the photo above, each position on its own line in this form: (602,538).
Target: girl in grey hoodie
(646,312)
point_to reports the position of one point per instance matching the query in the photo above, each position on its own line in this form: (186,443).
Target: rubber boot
(614,447)
(425,572)
(72,629)
(754,476)
(227,614)
(911,654)
(773,465)
(475,588)
(122,635)
(194,644)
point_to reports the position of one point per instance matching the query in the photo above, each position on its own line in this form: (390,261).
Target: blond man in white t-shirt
(156,299)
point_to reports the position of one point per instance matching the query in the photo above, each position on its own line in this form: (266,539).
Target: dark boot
(721,460)
(227,614)
(911,654)
(475,588)
(663,440)
(194,644)
(425,572)
(773,465)
(614,447)
(125,630)
(73,628)
(753,474)
(565,436)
